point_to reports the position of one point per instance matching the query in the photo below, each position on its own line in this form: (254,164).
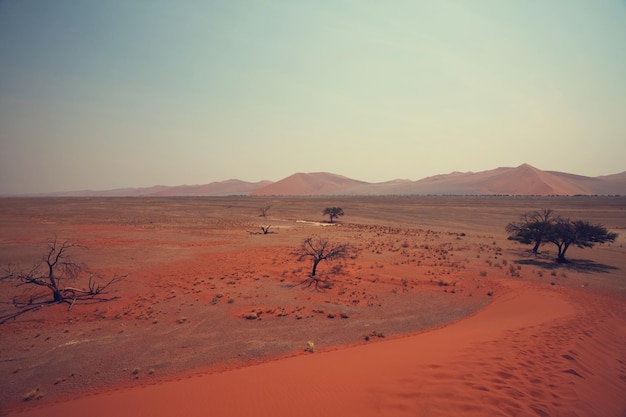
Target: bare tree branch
(319,249)
(51,273)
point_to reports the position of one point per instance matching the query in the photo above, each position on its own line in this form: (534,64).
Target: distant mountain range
(521,180)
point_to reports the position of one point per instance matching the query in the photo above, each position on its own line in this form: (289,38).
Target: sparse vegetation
(393,286)
(253,315)
(513,271)
(369,336)
(33,395)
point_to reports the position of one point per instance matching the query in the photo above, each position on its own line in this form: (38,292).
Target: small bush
(33,395)
(310,347)
(337,269)
(251,316)
(369,336)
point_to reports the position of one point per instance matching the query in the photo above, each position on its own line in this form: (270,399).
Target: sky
(133,93)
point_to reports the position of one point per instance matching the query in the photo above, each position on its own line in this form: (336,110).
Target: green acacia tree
(544,226)
(333,212)
(532,228)
(564,233)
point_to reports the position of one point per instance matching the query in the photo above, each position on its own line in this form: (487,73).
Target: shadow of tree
(548,261)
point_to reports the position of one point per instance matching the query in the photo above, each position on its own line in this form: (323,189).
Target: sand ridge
(523,355)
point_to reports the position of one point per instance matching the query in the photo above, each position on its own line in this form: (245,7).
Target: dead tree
(263,210)
(55,269)
(266,229)
(319,249)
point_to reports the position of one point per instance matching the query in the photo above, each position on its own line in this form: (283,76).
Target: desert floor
(436,313)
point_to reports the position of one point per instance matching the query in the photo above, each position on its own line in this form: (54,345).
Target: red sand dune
(521,180)
(530,353)
(221,188)
(317,183)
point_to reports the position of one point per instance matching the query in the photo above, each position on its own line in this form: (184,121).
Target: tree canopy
(532,228)
(333,212)
(565,233)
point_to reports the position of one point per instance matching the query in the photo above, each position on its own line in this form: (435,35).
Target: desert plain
(434,313)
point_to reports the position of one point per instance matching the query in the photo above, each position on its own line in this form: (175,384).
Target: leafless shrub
(52,273)
(320,249)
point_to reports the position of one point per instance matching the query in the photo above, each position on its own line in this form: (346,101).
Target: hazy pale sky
(132,93)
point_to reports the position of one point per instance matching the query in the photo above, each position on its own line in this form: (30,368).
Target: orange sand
(549,343)
(529,353)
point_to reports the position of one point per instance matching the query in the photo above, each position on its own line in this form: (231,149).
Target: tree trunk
(536,248)
(57,295)
(562,250)
(315,262)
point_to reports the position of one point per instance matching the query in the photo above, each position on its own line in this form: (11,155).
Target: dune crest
(527,354)
(522,180)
